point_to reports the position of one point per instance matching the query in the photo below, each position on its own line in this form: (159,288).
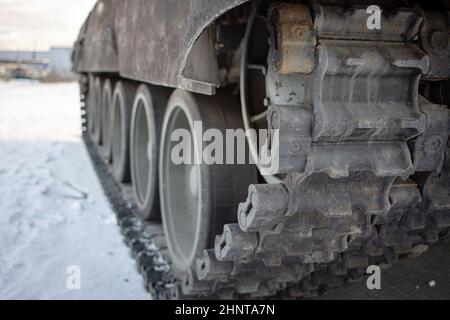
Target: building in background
(52,65)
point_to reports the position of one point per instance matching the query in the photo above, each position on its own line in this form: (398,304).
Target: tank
(337,116)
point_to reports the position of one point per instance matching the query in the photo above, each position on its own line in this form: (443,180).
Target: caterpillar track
(360,122)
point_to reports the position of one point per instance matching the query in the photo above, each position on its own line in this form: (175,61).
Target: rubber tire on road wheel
(122,105)
(91,106)
(97,132)
(145,132)
(106,120)
(197,200)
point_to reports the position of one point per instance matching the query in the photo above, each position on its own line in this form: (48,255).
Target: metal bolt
(439,40)
(295,147)
(433,144)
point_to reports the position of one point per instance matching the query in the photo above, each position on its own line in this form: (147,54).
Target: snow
(53,213)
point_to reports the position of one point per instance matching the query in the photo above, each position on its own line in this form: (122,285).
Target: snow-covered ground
(54,217)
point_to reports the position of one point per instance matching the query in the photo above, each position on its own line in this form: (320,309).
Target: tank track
(343,205)
(361,187)
(411,226)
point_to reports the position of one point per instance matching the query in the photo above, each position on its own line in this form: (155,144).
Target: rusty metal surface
(147,40)
(333,22)
(293,37)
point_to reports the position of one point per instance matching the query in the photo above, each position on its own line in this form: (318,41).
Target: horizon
(37,51)
(29,25)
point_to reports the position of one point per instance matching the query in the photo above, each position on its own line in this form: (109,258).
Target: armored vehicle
(352,96)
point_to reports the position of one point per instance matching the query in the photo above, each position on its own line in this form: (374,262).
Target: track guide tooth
(234,244)
(192,285)
(209,268)
(265,207)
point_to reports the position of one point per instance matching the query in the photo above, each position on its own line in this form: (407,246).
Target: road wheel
(145,131)
(96,135)
(91,103)
(122,104)
(198,199)
(106,120)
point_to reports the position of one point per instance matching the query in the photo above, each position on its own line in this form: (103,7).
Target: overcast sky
(39,24)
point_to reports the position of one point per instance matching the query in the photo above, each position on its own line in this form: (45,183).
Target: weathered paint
(148,40)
